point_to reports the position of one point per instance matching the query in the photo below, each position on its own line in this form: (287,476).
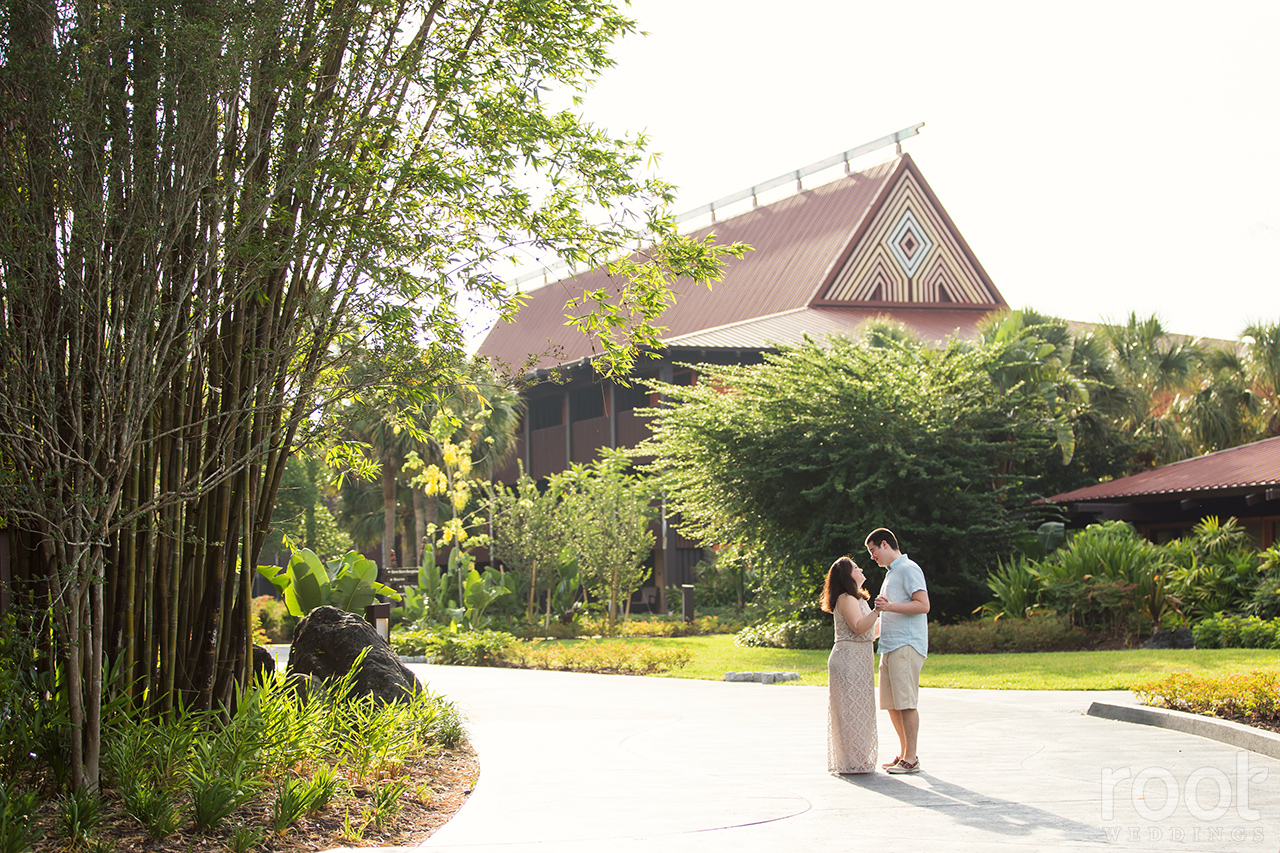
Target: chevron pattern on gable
(908,254)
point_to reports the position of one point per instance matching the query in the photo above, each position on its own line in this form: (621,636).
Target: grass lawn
(716,654)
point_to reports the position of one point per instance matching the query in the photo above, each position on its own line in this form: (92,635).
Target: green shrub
(1215,568)
(791,634)
(17,830)
(1107,578)
(719,582)
(659,626)
(293,800)
(471,648)
(1266,598)
(1265,602)
(1016,588)
(81,812)
(1039,632)
(443,646)
(1236,632)
(34,714)
(198,767)
(1208,633)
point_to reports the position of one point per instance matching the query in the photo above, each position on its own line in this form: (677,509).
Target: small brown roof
(1244,468)
(781,289)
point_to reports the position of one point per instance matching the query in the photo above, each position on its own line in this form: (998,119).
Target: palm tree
(381,426)
(1236,399)
(1222,410)
(465,404)
(386,415)
(1262,356)
(1153,366)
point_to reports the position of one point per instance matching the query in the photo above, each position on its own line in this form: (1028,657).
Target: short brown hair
(882,535)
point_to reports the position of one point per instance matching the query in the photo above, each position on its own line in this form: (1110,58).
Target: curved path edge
(1224,731)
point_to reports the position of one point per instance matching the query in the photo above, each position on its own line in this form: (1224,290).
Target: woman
(851,715)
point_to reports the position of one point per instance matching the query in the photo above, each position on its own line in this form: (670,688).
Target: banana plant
(348,583)
(431,601)
(433,593)
(479,592)
(568,580)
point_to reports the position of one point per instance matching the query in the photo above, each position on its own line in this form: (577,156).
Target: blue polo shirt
(903,580)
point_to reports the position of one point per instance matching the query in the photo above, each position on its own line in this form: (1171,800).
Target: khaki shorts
(900,679)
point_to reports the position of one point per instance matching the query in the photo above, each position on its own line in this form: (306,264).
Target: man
(903,603)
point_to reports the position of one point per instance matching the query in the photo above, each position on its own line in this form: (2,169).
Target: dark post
(379,616)
(686,599)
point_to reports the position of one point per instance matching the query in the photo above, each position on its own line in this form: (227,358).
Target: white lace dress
(851,715)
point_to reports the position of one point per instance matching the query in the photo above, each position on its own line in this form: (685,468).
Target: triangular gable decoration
(909,254)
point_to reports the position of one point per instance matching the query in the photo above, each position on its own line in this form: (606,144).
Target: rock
(1178,638)
(263,663)
(326,644)
(762,677)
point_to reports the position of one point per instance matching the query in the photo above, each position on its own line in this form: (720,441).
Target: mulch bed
(438,787)
(1270,725)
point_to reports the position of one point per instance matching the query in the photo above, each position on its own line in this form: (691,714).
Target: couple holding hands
(898,619)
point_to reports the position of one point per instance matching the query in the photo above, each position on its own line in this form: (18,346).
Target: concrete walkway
(573,762)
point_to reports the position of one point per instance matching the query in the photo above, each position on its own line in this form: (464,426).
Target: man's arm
(919,603)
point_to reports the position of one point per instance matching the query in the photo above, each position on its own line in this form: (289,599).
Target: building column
(661,561)
(568,431)
(613,416)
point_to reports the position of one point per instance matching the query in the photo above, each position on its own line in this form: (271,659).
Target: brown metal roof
(765,296)
(790,327)
(1251,466)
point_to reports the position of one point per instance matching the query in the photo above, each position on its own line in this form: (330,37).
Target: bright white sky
(1099,157)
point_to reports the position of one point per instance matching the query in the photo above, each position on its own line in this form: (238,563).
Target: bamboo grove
(204,209)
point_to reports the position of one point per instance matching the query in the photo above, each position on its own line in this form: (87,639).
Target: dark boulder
(263,663)
(326,644)
(1178,638)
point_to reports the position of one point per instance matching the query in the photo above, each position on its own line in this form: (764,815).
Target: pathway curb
(1225,731)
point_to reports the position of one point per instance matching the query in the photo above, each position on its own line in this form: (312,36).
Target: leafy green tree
(402,428)
(301,515)
(1075,375)
(205,211)
(607,510)
(530,531)
(477,418)
(799,458)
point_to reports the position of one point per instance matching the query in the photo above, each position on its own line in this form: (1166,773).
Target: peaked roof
(1250,467)
(824,260)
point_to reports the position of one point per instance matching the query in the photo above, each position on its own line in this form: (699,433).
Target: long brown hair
(839,581)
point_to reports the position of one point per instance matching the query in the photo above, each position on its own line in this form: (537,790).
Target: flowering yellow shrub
(591,656)
(1247,697)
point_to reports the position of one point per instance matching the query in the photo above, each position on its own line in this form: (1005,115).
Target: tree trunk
(390,469)
(420,528)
